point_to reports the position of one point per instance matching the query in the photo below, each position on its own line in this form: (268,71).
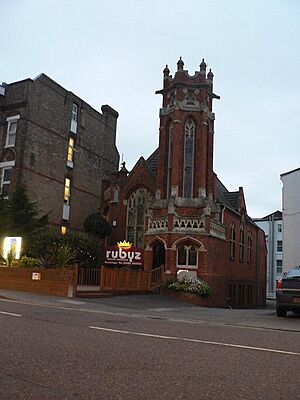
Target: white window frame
(74,118)
(3,182)
(75,112)
(10,121)
(3,166)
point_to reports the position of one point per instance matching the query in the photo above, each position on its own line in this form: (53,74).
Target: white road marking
(149,316)
(12,314)
(290,353)
(72,302)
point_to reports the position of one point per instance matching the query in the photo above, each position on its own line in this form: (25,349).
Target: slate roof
(152,162)
(226,198)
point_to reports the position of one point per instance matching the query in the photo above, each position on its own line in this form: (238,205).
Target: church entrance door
(158,258)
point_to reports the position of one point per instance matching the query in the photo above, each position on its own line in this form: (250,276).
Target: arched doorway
(158,258)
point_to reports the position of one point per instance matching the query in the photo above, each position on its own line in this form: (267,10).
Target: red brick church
(175,207)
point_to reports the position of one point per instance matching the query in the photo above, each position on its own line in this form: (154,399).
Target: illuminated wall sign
(12,244)
(36,276)
(124,254)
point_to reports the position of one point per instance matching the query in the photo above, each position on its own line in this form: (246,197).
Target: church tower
(184,214)
(185,165)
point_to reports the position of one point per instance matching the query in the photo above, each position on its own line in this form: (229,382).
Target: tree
(4,216)
(96,225)
(19,217)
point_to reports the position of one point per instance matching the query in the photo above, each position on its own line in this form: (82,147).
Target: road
(144,347)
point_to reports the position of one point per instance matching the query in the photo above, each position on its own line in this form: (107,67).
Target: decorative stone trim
(157,225)
(218,230)
(194,224)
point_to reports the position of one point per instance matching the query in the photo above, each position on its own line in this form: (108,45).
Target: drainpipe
(257,270)
(271,255)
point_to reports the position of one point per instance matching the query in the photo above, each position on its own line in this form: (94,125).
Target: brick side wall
(55,282)
(42,143)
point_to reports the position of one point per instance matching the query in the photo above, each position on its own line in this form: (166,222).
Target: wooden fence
(114,280)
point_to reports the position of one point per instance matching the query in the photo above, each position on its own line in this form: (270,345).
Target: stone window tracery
(170,159)
(190,98)
(136,211)
(188,158)
(187,256)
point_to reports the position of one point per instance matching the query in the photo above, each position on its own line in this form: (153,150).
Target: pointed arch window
(170,159)
(136,212)
(189,139)
(187,256)
(242,243)
(249,256)
(232,242)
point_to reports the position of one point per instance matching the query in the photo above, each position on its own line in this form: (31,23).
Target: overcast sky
(113,52)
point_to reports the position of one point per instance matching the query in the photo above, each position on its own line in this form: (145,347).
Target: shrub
(89,249)
(63,255)
(192,285)
(28,262)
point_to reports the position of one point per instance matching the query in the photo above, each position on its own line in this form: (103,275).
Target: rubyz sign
(124,254)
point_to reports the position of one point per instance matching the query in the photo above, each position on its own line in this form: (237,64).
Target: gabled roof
(226,198)
(290,172)
(152,162)
(277,215)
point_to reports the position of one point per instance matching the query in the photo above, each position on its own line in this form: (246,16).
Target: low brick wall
(188,297)
(55,282)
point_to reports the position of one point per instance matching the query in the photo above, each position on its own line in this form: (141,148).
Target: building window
(279,228)
(187,256)
(170,160)
(232,242)
(242,243)
(5,181)
(74,118)
(136,212)
(63,230)
(279,246)
(70,152)
(67,191)
(116,194)
(74,112)
(188,158)
(278,266)
(12,125)
(249,255)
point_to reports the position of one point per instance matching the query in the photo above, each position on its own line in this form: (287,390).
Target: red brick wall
(56,282)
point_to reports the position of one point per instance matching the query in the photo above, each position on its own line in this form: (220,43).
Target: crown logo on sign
(124,245)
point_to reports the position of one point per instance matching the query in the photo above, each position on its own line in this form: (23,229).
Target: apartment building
(291,218)
(58,146)
(272,225)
